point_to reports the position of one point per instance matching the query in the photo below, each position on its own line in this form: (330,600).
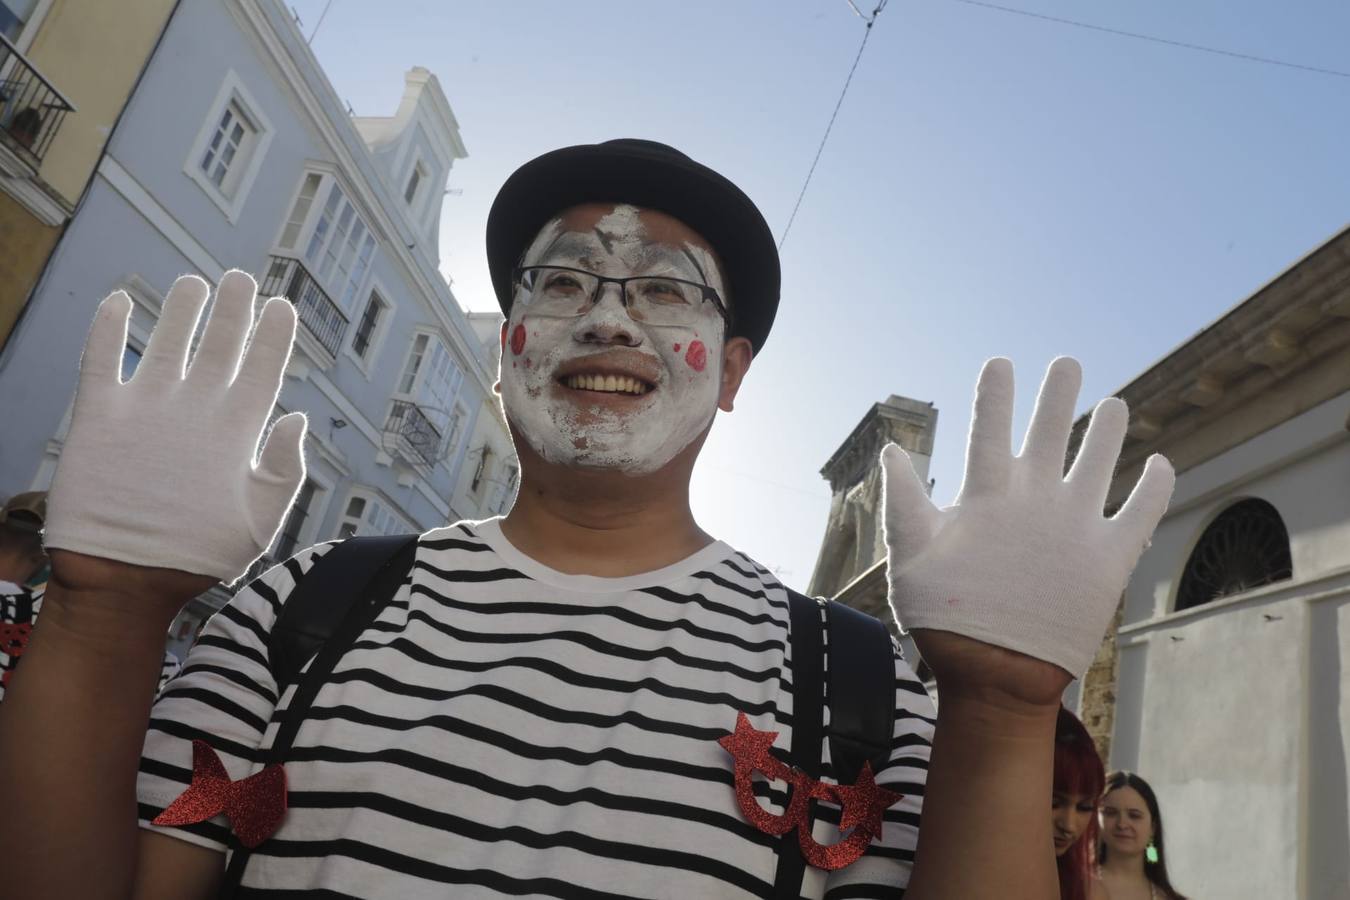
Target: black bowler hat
(648,174)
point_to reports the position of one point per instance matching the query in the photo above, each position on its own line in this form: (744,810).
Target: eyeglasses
(571,293)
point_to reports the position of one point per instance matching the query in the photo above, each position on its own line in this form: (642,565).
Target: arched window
(1246,547)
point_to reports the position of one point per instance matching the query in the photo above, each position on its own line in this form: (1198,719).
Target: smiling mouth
(606,384)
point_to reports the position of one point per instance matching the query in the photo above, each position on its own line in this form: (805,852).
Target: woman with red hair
(1079,781)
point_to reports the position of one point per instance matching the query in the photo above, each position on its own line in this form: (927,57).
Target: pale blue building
(235,151)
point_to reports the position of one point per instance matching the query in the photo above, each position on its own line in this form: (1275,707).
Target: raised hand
(1025,559)
(163,471)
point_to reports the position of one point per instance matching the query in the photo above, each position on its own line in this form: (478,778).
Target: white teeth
(610,384)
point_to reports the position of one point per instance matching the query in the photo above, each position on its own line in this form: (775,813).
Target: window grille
(1246,547)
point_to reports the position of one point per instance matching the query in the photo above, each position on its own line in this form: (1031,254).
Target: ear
(503,336)
(736,356)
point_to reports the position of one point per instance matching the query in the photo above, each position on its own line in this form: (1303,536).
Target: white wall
(1235,711)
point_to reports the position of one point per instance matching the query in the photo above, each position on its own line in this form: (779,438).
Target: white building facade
(1232,682)
(235,152)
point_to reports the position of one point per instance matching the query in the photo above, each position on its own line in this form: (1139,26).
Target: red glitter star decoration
(862,805)
(254,805)
(13,640)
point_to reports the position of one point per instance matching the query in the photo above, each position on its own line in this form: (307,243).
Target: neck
(1117,863)
(601,522)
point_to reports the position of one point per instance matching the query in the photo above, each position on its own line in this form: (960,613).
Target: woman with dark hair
(1079,779)
(1133,861)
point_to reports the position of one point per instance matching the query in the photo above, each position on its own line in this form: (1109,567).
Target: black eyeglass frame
(709,293)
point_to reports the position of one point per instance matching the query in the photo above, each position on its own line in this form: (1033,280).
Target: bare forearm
(986,811)
(71,729)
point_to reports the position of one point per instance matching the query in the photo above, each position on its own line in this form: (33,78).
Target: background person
(23,568)
(21,560)
(1079,781)
(1133,859)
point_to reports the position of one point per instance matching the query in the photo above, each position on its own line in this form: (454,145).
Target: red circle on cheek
(518,340)
(697,357)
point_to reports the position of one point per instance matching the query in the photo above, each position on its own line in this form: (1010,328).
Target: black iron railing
(31,109)
(289,278)
(408,421)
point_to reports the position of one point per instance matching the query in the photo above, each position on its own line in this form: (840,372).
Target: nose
(607,321)
(1060,819)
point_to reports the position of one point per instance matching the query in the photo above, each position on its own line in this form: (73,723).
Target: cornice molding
(1289,334)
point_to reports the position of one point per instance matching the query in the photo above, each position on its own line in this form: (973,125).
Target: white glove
(1025,558)
(160,471)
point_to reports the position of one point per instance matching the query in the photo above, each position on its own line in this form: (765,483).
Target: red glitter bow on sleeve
(862,804)
(254,805)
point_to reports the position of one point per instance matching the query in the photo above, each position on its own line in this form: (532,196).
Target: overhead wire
(1155,39)
(821,149)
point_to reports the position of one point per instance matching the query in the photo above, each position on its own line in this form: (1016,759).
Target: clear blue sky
(994,185)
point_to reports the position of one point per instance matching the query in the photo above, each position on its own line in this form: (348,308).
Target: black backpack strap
(321,599)
(862,692)
(862,704)
(808,714)
(331,605)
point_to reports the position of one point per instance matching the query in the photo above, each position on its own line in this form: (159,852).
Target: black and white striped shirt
(506,730)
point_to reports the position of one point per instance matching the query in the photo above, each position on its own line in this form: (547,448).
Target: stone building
(62,88)
(1225,682)
(854,541)
(235,151)
(851,567)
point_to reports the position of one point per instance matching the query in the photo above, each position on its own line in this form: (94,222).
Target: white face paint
(680,364)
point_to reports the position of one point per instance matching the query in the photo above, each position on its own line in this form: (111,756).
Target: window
(506,490)
(131,357)
(432,378)
(1246,547)
(365,329)
(13,15)
(481,471)
(300,211)
(367,515)
(341,247)
(415,179)
(226,153)
(295,522)
(454,429)
(414,365)
(230,147)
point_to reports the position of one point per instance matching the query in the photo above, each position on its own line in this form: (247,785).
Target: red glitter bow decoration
(862,804)
(255,805)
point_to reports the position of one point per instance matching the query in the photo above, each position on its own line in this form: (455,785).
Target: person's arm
(986,828)
(159,477)
(1007,594)
(71,729)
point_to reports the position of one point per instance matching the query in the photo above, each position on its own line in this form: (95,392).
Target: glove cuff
(134,549)
(1044,636)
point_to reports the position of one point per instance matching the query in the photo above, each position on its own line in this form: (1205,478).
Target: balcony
(289,278)
(411,427)
(31,109)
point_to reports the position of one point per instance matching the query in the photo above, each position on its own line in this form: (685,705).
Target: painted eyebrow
(566,242)
(580,245)
(693,260)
